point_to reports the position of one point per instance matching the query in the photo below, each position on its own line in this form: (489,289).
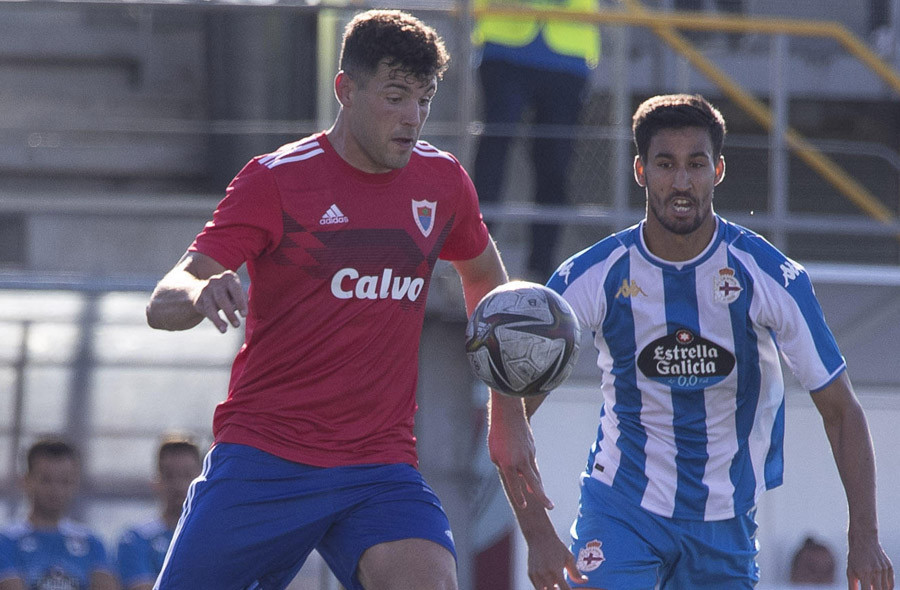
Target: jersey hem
(235,435)
(696,517)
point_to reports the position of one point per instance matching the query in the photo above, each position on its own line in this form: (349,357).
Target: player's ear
(343,87)
(720,169)
(639,176)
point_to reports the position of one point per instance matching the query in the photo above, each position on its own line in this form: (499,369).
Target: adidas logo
(332,216)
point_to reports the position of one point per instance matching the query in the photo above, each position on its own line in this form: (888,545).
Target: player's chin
(398,160)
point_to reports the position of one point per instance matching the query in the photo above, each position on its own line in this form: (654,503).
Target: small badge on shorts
(590,556)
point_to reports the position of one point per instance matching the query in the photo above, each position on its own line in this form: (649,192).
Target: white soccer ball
(523,339)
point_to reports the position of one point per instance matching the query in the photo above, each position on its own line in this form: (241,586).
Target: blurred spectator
(9,575)
(813,563)
(50,551)
(541,65)
(143,548)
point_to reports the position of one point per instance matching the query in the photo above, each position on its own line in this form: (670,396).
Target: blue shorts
(251,519)
(619,545)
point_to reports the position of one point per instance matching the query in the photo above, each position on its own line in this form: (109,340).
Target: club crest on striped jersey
(726,287)
(590,556)
(685,360)
(424,215)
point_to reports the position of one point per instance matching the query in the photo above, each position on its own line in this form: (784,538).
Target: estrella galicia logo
(685,360)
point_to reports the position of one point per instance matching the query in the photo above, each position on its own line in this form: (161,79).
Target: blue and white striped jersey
(692,422)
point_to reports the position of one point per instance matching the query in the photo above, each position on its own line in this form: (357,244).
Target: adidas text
(332,216)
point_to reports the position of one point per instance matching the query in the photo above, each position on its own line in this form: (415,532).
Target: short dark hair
(176,443)
(676,111)
(397,38)
(51,448)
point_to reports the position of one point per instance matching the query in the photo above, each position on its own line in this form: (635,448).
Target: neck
(44,520)
(674,247)
(170,517)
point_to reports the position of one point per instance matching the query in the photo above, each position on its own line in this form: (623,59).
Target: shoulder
(72,529)
(594,260)
(760,255)
(15,530)
(143,532)
(426,156)
(425,150)
(303,150)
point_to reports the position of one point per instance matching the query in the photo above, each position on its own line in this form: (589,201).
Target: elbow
(152,318)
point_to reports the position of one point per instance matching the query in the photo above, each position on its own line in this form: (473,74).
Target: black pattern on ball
(522,339)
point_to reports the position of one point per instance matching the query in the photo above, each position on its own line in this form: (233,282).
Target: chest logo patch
(685,360)
(424,214)
(726,287)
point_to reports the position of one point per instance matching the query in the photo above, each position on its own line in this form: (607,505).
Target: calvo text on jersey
(683,359)
(347,283)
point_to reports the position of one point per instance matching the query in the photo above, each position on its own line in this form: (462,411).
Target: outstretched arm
(868,567)
(197,287)
(510,439)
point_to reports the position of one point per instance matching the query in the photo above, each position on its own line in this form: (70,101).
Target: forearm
(533,518)
(855,459)
(171,306)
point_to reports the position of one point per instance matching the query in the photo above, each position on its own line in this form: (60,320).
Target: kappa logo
(565,270)
(590,556)
(332,216)
(629,289)
(790,270)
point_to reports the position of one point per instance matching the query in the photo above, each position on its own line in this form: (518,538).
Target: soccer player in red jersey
(340,232)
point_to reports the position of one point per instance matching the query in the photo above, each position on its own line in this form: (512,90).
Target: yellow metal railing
(665,26)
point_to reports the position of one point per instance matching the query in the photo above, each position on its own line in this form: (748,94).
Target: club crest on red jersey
(423,214)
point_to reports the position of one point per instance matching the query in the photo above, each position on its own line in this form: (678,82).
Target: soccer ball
(522,339)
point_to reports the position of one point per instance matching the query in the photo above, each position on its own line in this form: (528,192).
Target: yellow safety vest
(575,38)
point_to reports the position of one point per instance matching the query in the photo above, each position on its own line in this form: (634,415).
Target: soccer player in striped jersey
(340,232)
(686,309)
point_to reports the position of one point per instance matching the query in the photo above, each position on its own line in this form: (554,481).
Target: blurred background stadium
(122,122)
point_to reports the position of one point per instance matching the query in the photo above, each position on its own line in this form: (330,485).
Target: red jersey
(340,262)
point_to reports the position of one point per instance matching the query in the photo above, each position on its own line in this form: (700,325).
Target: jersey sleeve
(247,222)
(7,559)
(469,235)
(792,311)
(582,278)
(133,563)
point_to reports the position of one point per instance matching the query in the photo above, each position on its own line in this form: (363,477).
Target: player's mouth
(406,143)
(681,205)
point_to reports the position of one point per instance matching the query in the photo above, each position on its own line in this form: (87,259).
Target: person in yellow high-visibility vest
(542,65)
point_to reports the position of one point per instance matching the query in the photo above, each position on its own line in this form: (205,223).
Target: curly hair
(399,39)
(676,111)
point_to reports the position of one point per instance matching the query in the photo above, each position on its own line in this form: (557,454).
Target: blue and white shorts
(251,519)
(618,545)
